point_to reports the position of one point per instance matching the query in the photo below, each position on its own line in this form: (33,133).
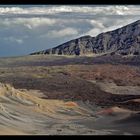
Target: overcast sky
(26,29)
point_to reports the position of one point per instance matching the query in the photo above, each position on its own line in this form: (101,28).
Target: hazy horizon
(28,28)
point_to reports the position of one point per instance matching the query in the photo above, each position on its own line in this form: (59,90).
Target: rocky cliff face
(125,40)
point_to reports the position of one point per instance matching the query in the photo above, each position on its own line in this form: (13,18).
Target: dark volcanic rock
(124,41)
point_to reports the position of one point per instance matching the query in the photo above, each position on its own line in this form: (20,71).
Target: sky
(29,28)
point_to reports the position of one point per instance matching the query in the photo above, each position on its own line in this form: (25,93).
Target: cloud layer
(25,29)
(92,10)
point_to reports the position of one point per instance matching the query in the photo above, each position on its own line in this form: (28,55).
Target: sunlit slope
(23,113)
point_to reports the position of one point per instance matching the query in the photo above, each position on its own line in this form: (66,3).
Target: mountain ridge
(124,40)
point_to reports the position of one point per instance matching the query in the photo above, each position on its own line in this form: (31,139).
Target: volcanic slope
(124,41)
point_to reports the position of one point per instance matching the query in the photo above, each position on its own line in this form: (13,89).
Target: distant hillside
(125,41)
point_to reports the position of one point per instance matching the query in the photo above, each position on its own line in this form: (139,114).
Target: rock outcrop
(124,41)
